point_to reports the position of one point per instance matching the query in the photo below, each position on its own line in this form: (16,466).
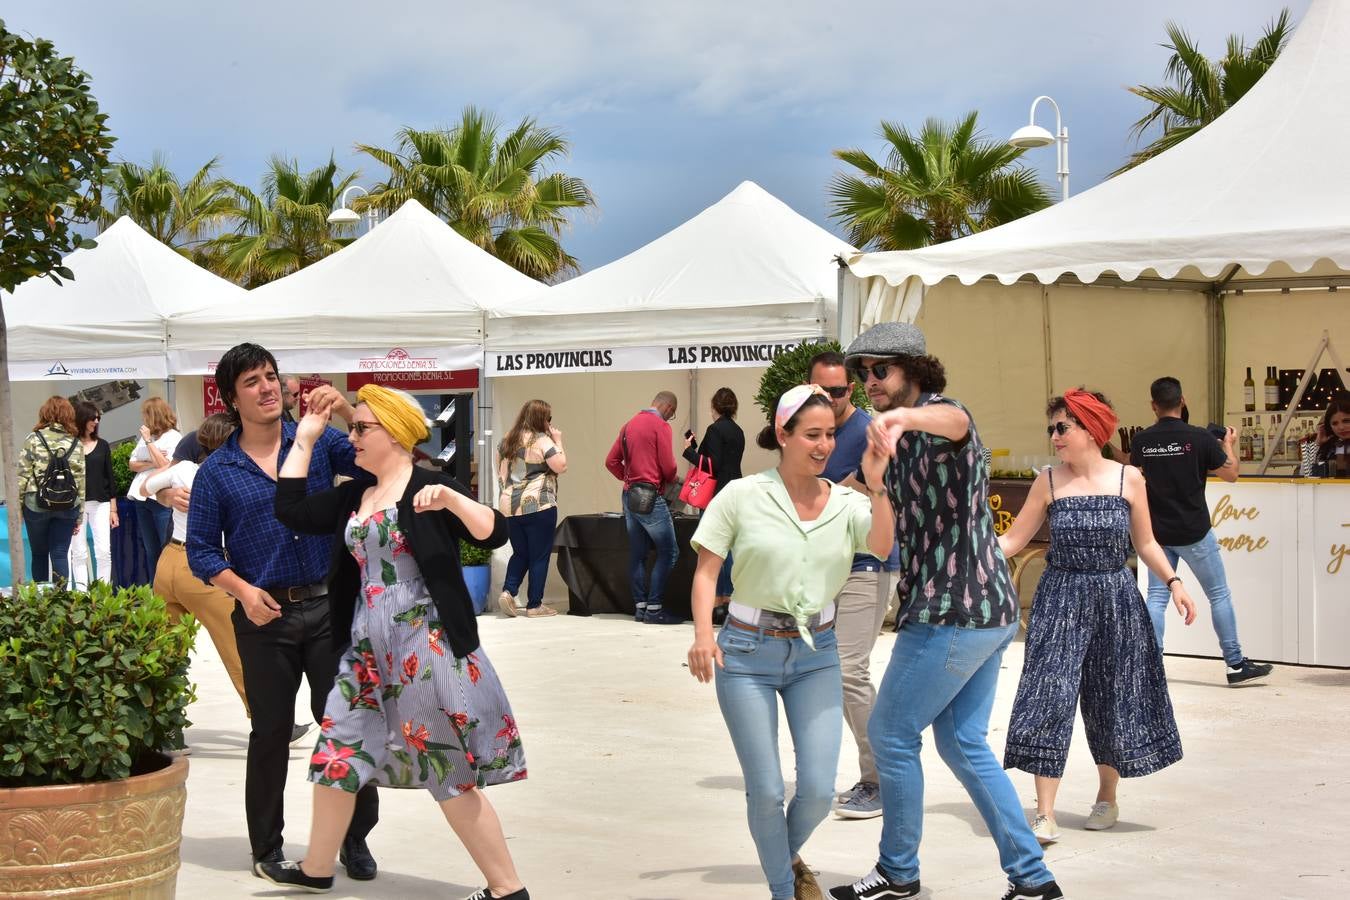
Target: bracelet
(877,493)
(1174,578)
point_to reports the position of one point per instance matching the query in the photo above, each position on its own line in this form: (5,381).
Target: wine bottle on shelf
(1275,449)
(1293,444)
(1272,389)
(1245,441)
(1258,444)
(1249,392)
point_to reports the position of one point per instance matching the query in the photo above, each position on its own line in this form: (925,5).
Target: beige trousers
(860,609)
(184,592)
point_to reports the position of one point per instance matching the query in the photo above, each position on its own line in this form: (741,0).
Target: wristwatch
(1172,579)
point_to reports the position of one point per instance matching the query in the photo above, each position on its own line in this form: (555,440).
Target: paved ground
(634,791)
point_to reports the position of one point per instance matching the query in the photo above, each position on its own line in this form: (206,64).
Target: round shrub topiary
(469,555)
(122,473)
(789,370)
(91,683)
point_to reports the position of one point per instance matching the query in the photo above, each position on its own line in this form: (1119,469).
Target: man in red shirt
(643,458)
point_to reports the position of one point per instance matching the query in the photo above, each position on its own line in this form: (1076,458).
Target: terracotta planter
(107,839)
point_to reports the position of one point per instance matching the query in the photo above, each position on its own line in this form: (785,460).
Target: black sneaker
(288,873)
(875,886)
(485,894)
(298,732)
(662,616)
(641,613)
(356,858)
(1047,891)
(274,856)
(1247,671)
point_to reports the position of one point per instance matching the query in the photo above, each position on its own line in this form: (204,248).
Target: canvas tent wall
(704,306)
(1140,275)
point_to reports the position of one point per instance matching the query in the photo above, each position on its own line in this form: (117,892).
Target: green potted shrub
(789,370)
(477,565)
(93,688)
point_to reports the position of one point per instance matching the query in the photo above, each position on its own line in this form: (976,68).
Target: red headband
(1098,419)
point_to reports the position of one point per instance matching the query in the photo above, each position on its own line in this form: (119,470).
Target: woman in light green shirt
(792,536)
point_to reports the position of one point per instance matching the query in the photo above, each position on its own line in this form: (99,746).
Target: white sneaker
(1102,817)
(1045,829)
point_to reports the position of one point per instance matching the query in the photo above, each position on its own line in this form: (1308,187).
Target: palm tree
(493,189)
(1199,90)
(945,182)
(177,213)
(285,228)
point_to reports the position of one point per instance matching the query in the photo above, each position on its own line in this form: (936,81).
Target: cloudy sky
(669,106)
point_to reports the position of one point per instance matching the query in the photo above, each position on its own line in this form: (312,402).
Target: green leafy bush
(789,370)
(469,555)
(122,473)
(91,682)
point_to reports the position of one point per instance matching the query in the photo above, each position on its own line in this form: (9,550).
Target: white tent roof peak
(1264,183)
(123,292)
(747,249)
(410,279)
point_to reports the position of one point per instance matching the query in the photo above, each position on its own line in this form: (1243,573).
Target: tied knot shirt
(782,564)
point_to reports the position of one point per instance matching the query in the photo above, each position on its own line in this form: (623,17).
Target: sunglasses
(838,392)
(1059,428)
(879,371)
(362,427)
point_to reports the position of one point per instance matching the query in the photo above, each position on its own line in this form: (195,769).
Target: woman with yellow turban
(413,666)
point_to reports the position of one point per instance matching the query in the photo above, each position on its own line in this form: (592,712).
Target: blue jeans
(531,550)
(155,524)
(645,531)
(760,669)
(49,534)
(945,676)
(1204,559)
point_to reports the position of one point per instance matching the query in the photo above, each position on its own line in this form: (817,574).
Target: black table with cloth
(593,562)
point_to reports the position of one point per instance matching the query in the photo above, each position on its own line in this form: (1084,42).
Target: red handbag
(699,486)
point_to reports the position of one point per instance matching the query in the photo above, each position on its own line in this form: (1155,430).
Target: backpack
(56,487)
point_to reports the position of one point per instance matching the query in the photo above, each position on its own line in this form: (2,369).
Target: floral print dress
(404,712)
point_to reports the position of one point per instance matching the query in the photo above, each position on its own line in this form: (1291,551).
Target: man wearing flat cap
(958,613)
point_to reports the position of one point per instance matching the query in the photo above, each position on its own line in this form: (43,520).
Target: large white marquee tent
(1165,269)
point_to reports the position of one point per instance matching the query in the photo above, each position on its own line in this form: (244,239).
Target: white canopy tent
(1258,200)
(748,270)
(110,321)
(707,305)
(410,294)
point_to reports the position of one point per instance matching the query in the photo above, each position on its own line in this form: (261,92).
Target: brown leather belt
(777,632)
(177,543)
(298,593)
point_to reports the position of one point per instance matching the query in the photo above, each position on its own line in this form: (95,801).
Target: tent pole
(170,383)
(1045,339)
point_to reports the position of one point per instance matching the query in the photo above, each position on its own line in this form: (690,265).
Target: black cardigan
(433,540)
(724,445)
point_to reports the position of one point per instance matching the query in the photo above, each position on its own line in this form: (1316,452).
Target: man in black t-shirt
(1176,458)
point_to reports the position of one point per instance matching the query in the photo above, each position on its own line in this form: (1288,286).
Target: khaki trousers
(860,609)
(184,592)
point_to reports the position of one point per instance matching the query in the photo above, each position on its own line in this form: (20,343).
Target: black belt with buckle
(177,543)
(299,592)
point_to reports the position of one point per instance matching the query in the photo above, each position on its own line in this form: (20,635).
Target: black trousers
(274,657)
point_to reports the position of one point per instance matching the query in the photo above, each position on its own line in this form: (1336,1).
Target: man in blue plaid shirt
(279,579)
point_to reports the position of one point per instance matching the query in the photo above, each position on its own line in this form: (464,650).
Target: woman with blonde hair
(182,591)
(154,451)
(529,461)
(51,526)
(413,668)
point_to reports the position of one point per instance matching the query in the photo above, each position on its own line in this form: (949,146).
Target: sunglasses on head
(838,392)
(879,371)
(1059,428)
(362,427)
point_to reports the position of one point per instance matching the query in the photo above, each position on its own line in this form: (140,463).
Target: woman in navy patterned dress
(1090,637)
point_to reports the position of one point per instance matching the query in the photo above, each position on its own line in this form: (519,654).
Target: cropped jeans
(1206,562)
(758,670)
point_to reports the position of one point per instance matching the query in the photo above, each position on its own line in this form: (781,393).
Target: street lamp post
(1032,135)
(344,216)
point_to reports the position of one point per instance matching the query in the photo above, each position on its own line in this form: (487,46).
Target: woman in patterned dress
(1090,641)
(416,703)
